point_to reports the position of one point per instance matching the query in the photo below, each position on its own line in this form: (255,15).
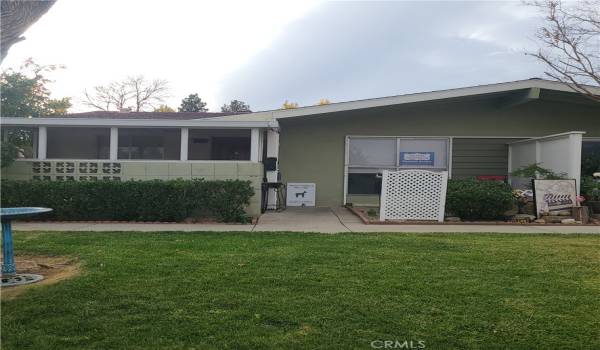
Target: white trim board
(143,123)
(549,136)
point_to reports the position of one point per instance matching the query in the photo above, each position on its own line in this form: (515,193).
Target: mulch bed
(370,221)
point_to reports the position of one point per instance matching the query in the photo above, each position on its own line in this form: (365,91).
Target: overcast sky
(267,52)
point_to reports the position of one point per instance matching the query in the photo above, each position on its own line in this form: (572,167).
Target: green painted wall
(312,149)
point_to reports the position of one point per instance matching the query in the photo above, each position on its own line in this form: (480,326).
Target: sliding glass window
(369,156)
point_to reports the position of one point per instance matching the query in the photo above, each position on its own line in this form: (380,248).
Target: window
(219,144)
(423,153)
(24,138)
(156,144)
(373,152)
(78,143)
(367,183)
(590,157)
(369,156)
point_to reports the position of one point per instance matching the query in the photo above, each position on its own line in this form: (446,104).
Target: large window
(219,144)
(156,144)
(368,156)
(78,143)
(590,157)
(24,138)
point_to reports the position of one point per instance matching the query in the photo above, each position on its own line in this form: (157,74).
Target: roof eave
(98,122)
(427,96)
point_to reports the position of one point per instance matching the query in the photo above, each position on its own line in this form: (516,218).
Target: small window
(373,152)
(364,184)
(423,153)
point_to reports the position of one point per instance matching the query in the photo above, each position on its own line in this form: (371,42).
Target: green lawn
(311,291)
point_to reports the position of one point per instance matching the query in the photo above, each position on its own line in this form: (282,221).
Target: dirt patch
(53,268)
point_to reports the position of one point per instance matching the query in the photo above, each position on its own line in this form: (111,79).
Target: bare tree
(135,93)
(112,96)
(570,38)
(147,93)
(16,17)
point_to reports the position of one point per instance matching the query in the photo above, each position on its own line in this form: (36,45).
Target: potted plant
(535,171)
(522,197)
(524,175)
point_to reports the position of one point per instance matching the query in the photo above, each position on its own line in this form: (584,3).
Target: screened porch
(134,143)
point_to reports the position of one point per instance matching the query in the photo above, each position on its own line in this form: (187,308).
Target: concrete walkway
(325,220)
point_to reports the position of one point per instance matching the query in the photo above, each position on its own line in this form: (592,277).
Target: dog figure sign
(301,194)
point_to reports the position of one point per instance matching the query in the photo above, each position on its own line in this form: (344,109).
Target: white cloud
(348,51)
(193,44)
(266,52)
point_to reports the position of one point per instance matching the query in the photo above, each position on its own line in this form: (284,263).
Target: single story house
(485,130)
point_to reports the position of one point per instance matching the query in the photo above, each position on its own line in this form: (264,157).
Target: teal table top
(13,213)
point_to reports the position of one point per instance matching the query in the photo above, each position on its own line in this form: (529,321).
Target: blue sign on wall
(417,158)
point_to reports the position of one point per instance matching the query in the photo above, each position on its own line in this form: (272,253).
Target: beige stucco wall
(139,170)
(312,149)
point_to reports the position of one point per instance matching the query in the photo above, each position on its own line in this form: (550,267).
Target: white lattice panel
(413,195)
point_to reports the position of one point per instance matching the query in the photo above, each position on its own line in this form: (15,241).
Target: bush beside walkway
(156,200)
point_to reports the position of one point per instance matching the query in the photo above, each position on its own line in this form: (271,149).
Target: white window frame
(347,165)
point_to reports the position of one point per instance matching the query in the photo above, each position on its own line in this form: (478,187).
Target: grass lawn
(311,291)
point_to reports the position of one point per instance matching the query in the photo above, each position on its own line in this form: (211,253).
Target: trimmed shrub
(478,200)
(155,200)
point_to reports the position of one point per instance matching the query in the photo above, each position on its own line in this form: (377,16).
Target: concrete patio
(325,220)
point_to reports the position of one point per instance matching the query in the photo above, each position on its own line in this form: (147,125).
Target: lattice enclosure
(413,195)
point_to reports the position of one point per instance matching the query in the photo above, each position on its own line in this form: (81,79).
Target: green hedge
(156,200)
(478,200)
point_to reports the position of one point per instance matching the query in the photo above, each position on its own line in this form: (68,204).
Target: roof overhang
(146,123)
(531,86)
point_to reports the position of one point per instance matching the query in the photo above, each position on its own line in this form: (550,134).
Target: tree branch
(571,37)
(16,17)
